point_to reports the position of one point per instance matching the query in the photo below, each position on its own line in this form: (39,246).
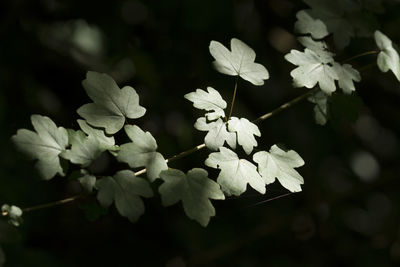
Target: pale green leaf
(104,141)
(217,133)
(44,145)
(141,152)
(194,189)
(125,190)
(112,105)
(346,75)
(239,61)
(319,47)
(320,99)
(280,164)
(312,69)
(209,101)
(246,131)
(83,149)
(306,24)
(388,58)
(235,173)
(13,213)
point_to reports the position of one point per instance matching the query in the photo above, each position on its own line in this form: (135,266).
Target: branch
(184,153)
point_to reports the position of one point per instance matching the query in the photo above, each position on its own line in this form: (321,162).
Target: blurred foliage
(348,213)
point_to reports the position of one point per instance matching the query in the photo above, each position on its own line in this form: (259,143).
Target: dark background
(348,212)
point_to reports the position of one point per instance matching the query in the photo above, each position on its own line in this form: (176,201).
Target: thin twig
(52,204)
(373,52)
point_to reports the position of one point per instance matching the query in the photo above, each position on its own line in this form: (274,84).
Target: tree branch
(184,153)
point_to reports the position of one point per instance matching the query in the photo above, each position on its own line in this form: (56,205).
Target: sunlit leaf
(246,131)
(112,105)
(83,150)
(238,62)
(217,133)
(194,189)
(235,173)
(312,69)
(125,190)
(346,75)
(388,58)
(280,164)
(209,101)
(44,145)
(141,152)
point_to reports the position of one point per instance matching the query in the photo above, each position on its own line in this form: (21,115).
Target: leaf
(111,104)
(312,69)
(217,133)
(13,213)
(306,24)
(209,101)
(320,99)
(319,47)
(194,189)
(239,61)
(84,150)
(388,58)
(346,75)
(141,152)
(280,164)
(44,145)
(235,173)
(246,131)
(104,141)
(125,190)
(87,181)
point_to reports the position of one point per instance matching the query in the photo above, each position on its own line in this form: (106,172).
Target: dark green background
(161,49)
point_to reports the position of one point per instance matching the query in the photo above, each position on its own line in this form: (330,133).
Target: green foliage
(44,145)
(194,189)
(141,152)
(112,105)
(125,190)
(238,62)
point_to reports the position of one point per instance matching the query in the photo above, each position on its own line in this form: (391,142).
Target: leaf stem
(285,106)
(53,204)
(189,151)
(233,98)
(373,52)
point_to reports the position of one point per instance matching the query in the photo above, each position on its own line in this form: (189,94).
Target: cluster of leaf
(53,147)
(316,64)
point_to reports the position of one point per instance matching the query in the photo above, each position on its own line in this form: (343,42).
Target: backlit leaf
(112,105)
(280,164)
(44,145)
(235,173)
(194,189)
(125,190)
(238,62)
